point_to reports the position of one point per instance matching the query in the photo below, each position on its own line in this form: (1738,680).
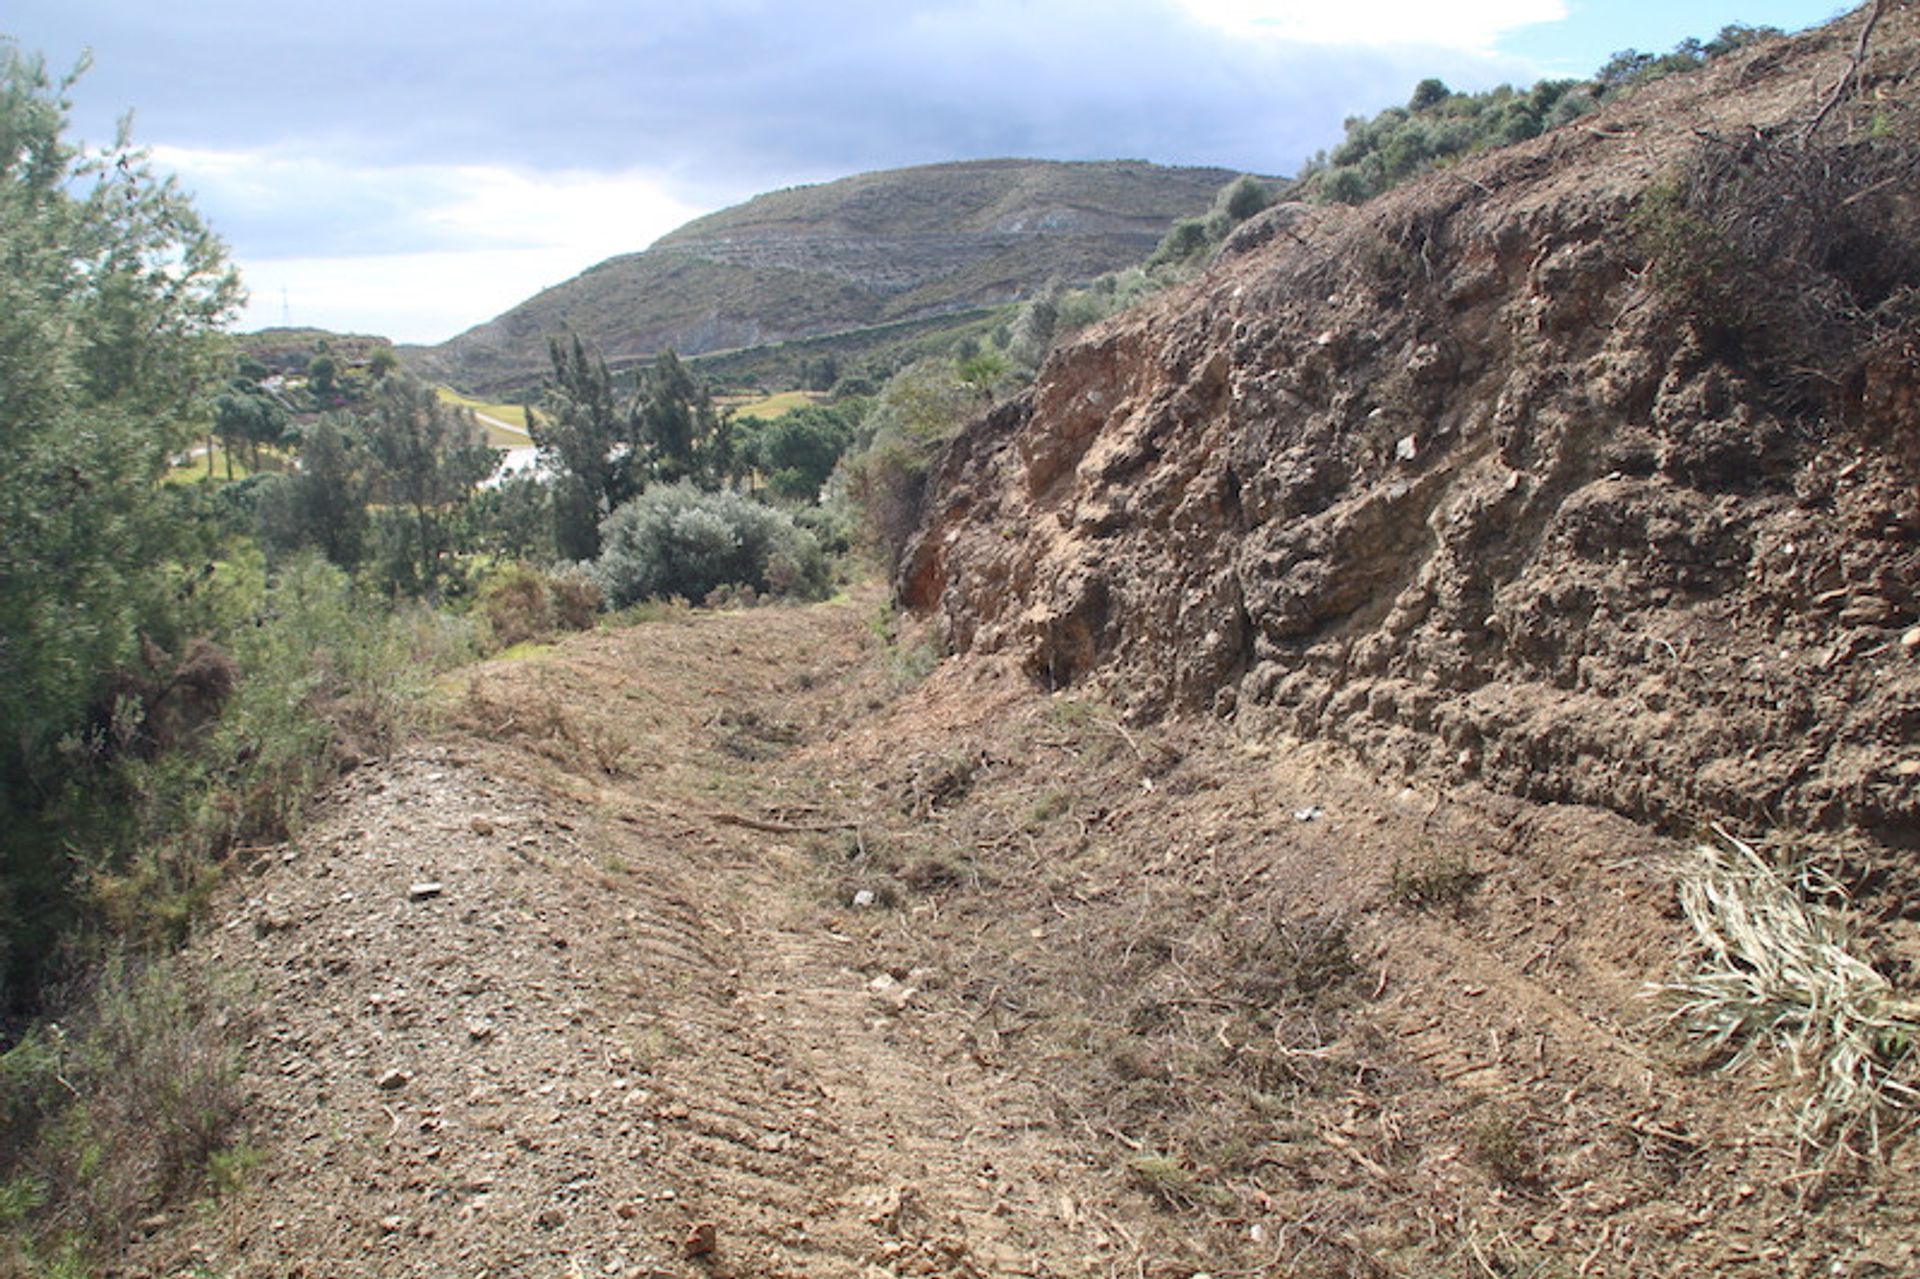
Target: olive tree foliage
(1438,126)
(112,292)
(676,540)
(921,407)
(1188,245)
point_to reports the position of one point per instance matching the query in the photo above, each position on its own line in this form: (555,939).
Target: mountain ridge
(863,251)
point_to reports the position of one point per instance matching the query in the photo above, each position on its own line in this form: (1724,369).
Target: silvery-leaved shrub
(678,541)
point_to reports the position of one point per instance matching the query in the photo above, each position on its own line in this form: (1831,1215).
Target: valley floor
(724,944)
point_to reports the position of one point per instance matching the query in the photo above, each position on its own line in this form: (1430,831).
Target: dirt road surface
(736,944)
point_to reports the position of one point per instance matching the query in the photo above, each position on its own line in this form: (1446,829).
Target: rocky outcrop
(1587,469)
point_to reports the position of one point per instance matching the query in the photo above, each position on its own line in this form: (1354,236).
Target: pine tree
(112,292)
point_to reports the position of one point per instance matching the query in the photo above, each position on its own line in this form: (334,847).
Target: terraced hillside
(866,251)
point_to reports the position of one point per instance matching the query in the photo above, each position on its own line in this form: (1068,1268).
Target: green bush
(798,450)
(679,541)
(124,1104)
(293,676)
(880,483)
(1187,239)
(1243,198)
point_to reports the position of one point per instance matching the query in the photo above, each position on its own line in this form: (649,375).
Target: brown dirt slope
(710,947)
(1586,469)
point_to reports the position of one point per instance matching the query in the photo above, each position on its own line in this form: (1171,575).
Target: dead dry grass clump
(1434,881)
(1797,256)
(752,735)
(546,726)
(523,604)
(1776,969)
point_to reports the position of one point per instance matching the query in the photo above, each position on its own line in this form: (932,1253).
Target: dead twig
(1849,76)
(1370,1165)
(1121,729)
(779,828)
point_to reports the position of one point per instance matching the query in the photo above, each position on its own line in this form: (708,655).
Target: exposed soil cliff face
(1586,469)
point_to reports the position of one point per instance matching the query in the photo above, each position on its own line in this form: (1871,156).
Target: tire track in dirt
(828,1131)
(580,989)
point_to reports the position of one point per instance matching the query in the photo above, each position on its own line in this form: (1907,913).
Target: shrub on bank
(678,541)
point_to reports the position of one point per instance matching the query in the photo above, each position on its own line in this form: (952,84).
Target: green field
(505,424)
(195,468)
(772,406)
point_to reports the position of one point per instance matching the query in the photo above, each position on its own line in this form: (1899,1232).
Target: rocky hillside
(1586,469)
(871,250)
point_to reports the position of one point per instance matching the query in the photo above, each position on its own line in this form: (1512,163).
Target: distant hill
(285,350)
(877,251)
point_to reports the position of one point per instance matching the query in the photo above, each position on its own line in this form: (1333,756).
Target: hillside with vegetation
(1578,475)
(864,257)
(1438,127)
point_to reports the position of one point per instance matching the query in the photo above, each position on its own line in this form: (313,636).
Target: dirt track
(579,987)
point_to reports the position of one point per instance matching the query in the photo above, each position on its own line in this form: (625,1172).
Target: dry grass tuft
(1776,969)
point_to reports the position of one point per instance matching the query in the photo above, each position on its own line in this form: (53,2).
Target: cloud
(444,159)
(308,206)
(411,297)
(434,248)
(747,93)
(1474,27)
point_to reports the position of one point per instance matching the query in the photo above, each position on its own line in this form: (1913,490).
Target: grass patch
(645,612)
(525,651)
(505,424)
(1774,969)
(1501,1146)
(127,1103)
(1175,1184)
(228,1170)
(912,651)
(772,406)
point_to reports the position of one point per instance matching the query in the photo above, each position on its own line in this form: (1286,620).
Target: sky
(415,167)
